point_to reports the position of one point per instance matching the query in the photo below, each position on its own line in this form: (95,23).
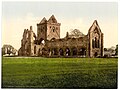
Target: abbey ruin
(48,43)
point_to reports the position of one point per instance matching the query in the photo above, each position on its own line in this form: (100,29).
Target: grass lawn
(64,73)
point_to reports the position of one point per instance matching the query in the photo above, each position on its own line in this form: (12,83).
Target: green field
(59,72)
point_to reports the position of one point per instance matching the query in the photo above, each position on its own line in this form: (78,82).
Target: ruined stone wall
(27,42)
(91,45)
(72,44)
(68,42)
(24,44)
(95,40)
(37,49)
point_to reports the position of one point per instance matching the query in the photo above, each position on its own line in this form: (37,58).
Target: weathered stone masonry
(48,42)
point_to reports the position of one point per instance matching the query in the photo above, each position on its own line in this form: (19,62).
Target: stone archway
(41,41)
(96,54)
(67,50)
(61,52)
(74,51)
(54,51)
(82,52)
(44,51)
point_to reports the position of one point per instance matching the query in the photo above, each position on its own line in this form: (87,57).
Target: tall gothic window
(96,42)
(53,29)
(93,43)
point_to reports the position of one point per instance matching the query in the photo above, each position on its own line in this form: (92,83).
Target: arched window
(27,35)
(67,52)
(61,51)
(82,52)
(96,42)
(53,39)
(55,52)
(53,29)
(95,55)
(41,41)
(74,51)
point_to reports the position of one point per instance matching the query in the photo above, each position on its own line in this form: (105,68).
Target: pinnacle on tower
(52,19)
(43,20)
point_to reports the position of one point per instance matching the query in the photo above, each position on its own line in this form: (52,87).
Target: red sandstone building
(48,43)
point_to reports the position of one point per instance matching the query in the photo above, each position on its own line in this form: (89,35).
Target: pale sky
(17,16)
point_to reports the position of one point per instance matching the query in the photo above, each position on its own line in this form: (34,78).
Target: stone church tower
(47,30)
